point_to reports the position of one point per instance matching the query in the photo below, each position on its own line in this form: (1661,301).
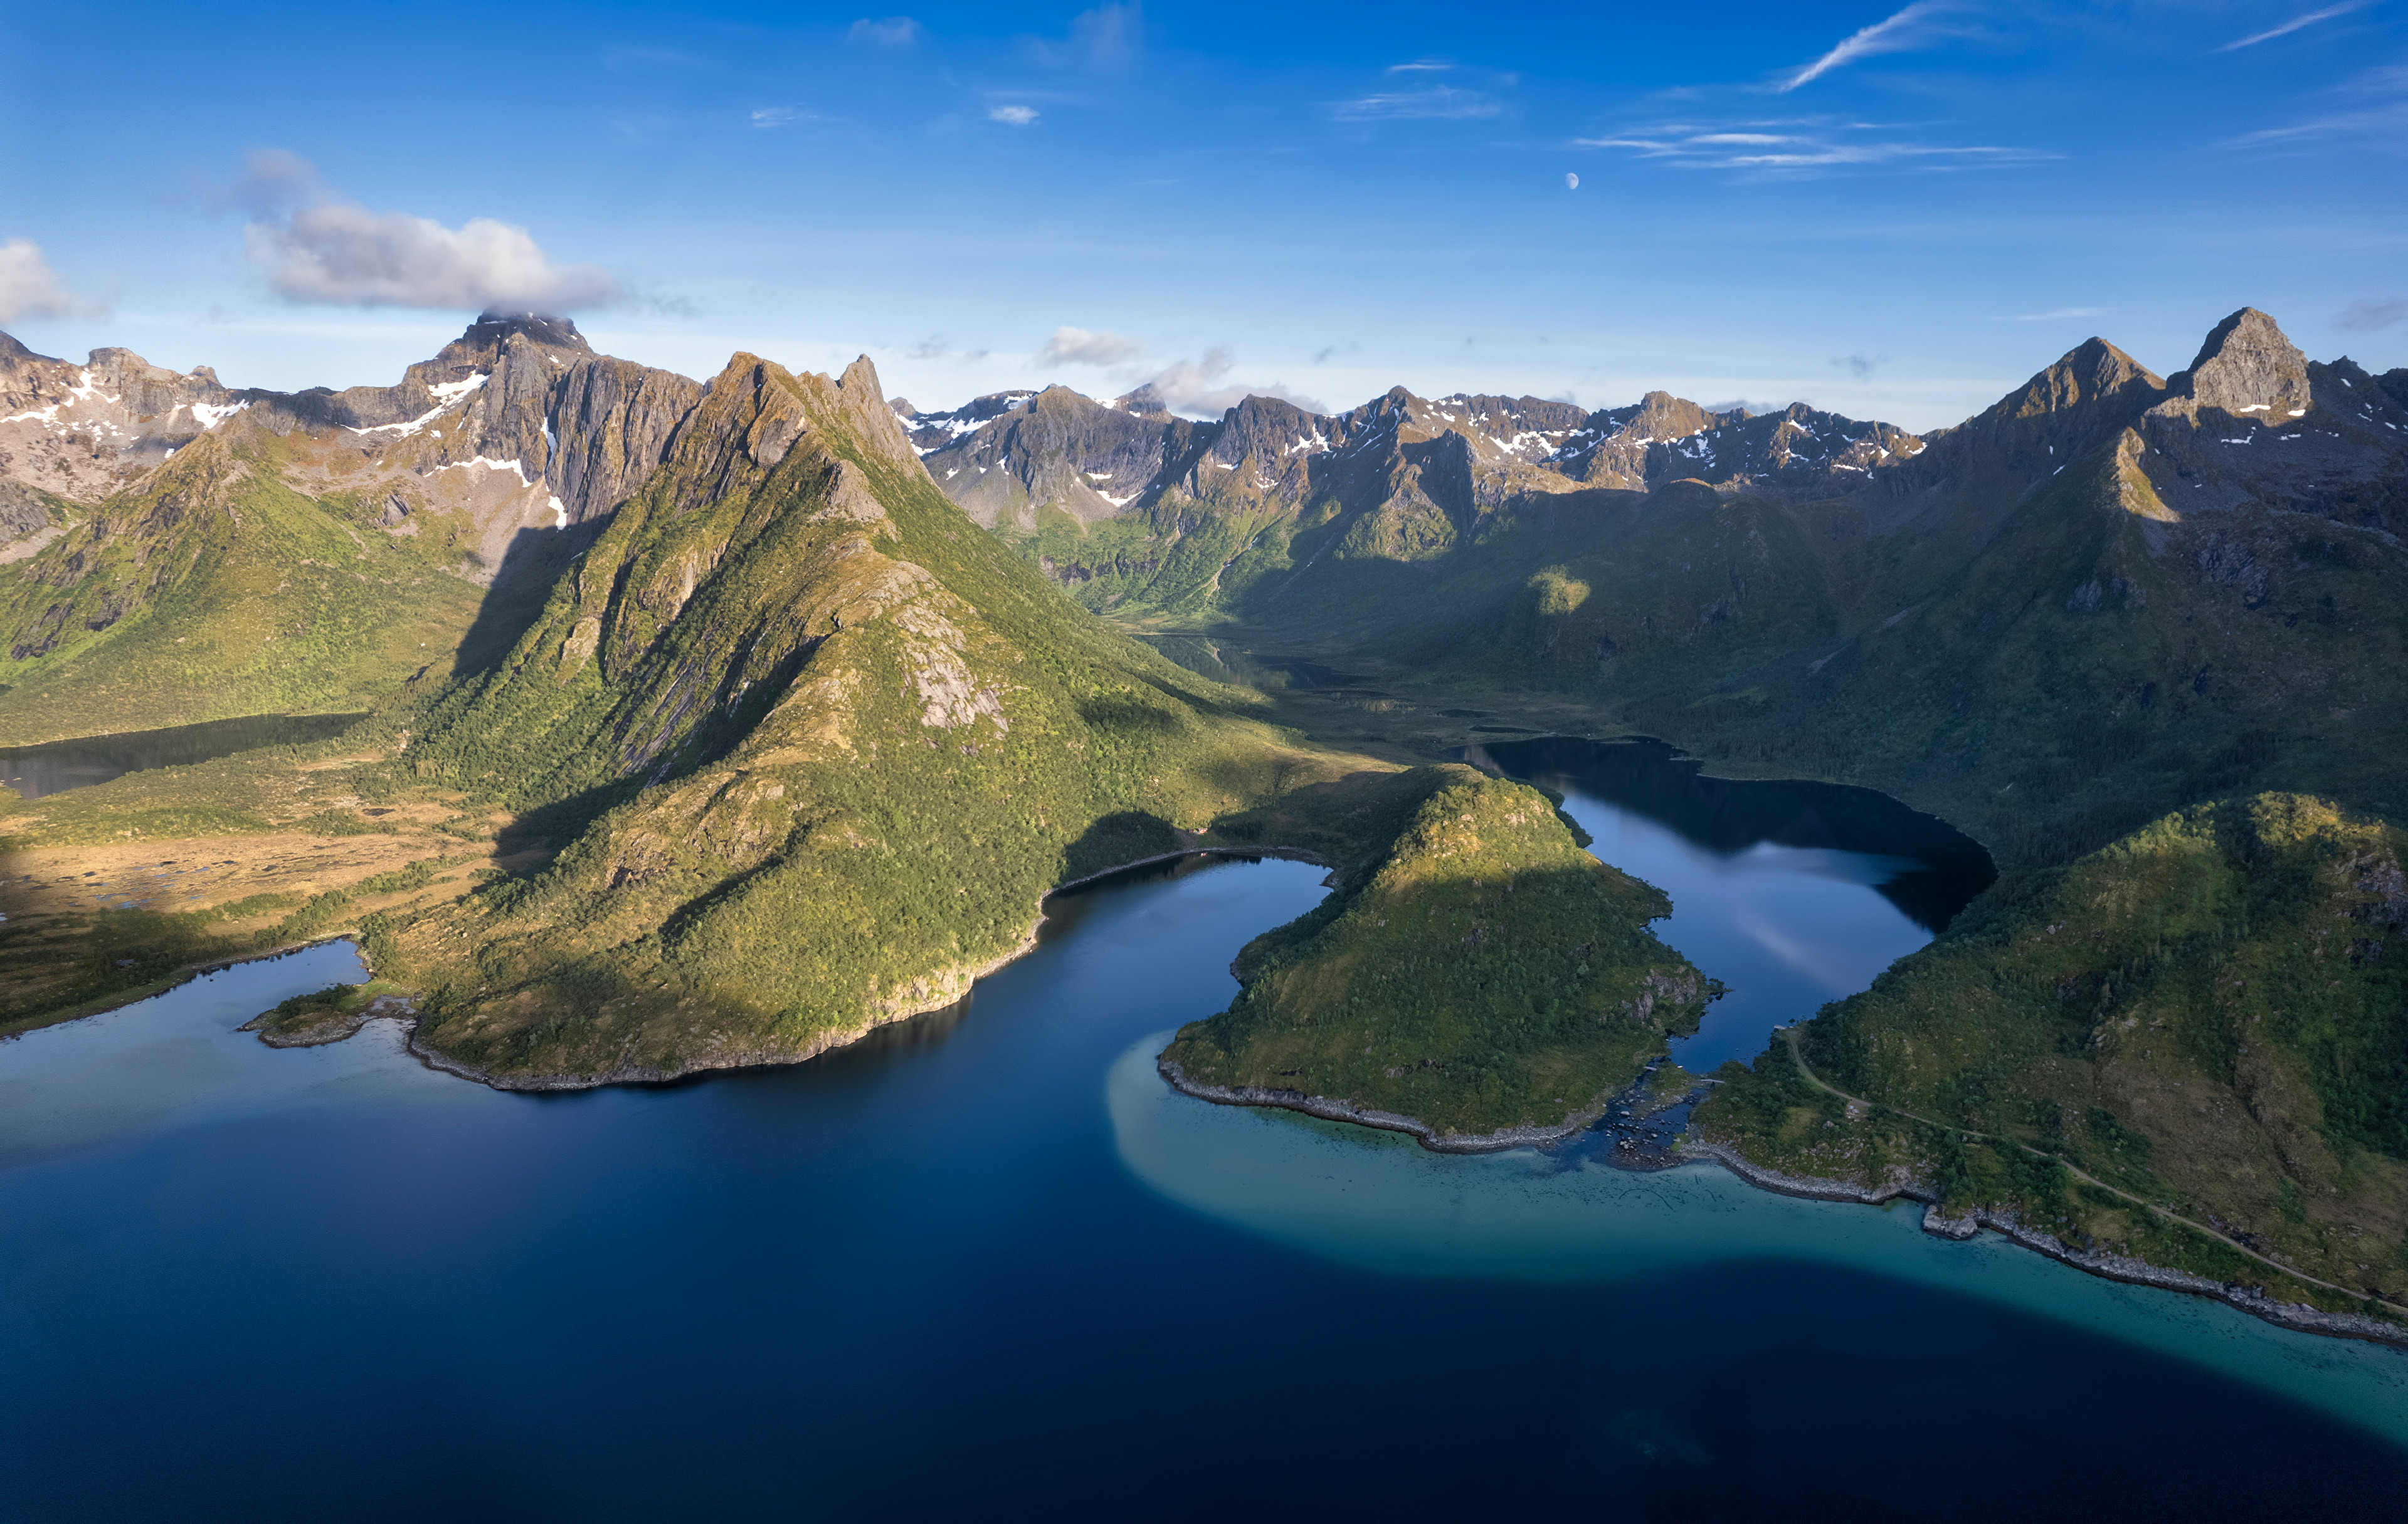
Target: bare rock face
(2248,366)
(1056,449)
(2255,425)
(932,432)
(82,431)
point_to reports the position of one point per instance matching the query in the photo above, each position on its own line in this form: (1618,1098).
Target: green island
(730,728)
(1484,982)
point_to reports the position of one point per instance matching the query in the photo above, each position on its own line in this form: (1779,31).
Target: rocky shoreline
(952,986)
(1343,1111)
(948,987)
(2296,1316)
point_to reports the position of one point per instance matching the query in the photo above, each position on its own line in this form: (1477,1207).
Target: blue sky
(1894,213)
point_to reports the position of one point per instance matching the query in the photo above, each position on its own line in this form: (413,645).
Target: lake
(986,1261)
(57,766)
(1793,894)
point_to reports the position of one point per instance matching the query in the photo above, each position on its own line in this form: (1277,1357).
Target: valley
(712,725)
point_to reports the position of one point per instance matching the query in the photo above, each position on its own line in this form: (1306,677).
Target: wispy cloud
(1803,146)
(1013,116)
(2294,24)
(887,32)
(1905,32)
(2364,317)
(1086,347)
(782,116)
(2060,313)
(938,347)
(1437,104)
(1107,37)
(1859,365)
(1421,65)
(2385,122)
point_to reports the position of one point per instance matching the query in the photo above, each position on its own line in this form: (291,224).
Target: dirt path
(1799,1057)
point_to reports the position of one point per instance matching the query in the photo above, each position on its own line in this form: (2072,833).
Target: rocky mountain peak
(2247,365)
(1664,416)
(481,345)
(863,401)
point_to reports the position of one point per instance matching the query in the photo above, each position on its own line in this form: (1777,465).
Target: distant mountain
(930,432)
(1218,506)
(274,550)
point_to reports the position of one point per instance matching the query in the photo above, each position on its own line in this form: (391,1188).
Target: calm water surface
(1793,894)
(988,1262)
(60,765)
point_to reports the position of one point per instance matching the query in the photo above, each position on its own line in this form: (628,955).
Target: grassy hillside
(211,590)
(1481,972)
(811,745)
(2210,1015)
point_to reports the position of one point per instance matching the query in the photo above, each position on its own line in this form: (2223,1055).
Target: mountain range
(774,706)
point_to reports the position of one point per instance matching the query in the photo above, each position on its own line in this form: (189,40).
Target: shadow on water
(57,766)
(1730,815)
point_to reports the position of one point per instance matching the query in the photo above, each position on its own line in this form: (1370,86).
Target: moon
(1572,183)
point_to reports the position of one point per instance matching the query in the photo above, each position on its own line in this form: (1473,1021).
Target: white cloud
(888,32)
(2360,316)
(344,255)
(2295,23)
(1440,103)
(2058,313)
(782,116)
(1195,387)
(1016,116)
(1079,346)
(1421,65)
(29,288)
(1908,30)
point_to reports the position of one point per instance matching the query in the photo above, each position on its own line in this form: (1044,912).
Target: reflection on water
(1793,894)
(60,765)
(177,1058)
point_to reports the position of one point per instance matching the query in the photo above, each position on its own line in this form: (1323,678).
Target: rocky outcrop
(82,431)
(2256,424)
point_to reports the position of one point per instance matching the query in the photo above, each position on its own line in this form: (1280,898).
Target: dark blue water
(1793,894)
(988,1264)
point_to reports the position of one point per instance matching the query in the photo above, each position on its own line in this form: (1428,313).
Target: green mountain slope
(2207,1015)
(1481,976)
(210,590)
(816,746)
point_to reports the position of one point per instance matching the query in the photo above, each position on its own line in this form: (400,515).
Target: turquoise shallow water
(1382,1202)
(986,1262)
